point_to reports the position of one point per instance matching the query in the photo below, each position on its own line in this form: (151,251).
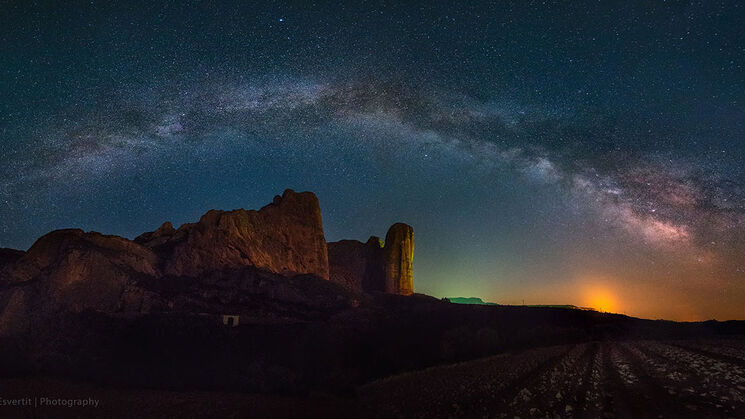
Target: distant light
(281,19)
(601,299)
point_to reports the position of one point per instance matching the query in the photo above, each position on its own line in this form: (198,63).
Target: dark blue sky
(552,153)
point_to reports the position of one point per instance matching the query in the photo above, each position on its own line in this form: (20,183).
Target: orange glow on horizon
(600,299)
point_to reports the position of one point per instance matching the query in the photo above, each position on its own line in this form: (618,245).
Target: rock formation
(284,237)
(198,265)
(398,257)
(375,266)
(75,270)
(157,237)
(357,266)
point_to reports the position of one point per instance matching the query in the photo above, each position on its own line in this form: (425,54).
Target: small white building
(230,320)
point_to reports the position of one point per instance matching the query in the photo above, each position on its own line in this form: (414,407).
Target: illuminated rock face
(72,270)
(284,237)
(75,270)
(370,267)
(398,255)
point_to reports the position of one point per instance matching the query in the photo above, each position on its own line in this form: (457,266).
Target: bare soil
(610,379)
(655,379)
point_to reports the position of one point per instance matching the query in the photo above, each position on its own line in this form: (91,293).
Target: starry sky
(586,153)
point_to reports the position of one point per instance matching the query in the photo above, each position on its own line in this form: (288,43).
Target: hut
(230,320)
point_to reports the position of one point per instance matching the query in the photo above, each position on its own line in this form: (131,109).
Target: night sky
(588,153)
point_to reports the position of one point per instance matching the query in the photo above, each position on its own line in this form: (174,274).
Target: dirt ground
(599,379)
(656,379)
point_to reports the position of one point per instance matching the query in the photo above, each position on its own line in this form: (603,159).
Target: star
(561,155)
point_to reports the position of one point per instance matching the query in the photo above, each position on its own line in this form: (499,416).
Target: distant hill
(477,300)
(562,306)
(469,300)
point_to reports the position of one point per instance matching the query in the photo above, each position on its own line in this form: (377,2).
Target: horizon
(598,299)
(570,154)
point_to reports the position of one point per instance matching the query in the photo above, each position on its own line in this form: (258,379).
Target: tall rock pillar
(398,257)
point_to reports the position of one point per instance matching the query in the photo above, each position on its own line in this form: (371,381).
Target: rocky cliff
(284,237)
(398,259)
(357,266)
(375,265)
(70,270)
(194,268)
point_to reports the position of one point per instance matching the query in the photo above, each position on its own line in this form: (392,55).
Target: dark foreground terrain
(675,379)
(597,379)
(306,347)
(393,356)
